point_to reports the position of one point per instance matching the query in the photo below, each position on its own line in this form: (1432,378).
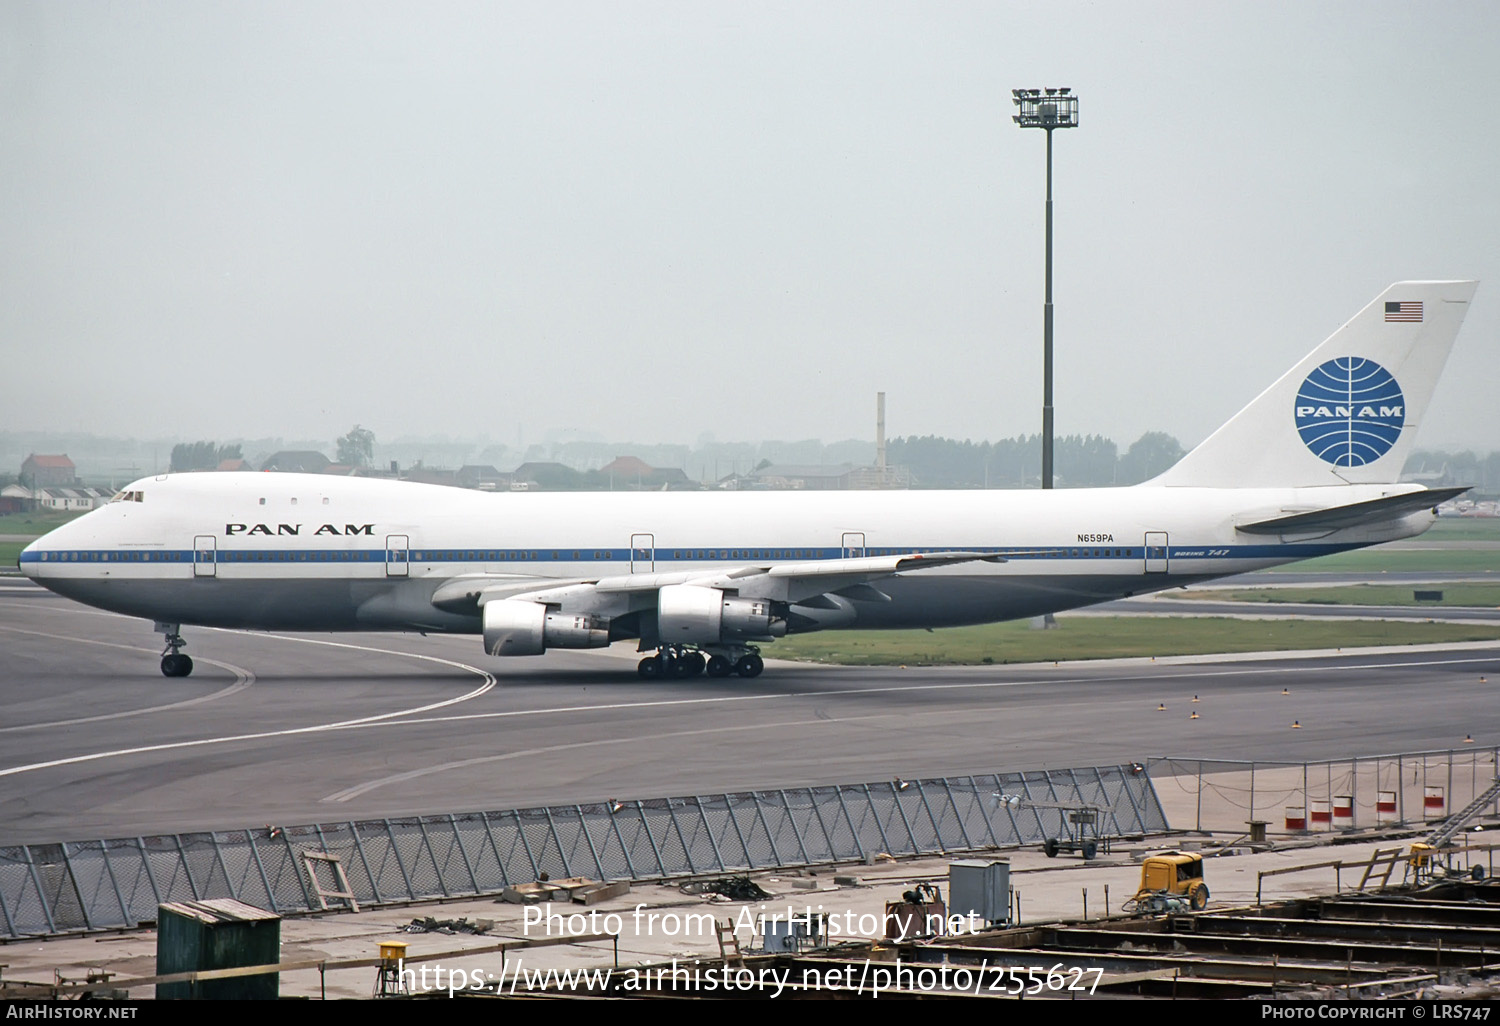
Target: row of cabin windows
(358,555)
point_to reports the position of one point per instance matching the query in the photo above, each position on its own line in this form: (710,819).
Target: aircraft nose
(30,559)
(36,558)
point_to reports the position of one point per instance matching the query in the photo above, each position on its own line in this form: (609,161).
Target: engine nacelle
(687,614)
(513,628)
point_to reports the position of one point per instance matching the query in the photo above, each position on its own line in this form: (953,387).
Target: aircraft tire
(691,665)
(749,665)
(176,665)
(718,666)
(649,667)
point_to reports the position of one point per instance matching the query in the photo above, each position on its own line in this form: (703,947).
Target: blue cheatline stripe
(660,555)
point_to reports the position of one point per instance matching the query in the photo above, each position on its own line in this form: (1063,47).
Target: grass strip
(1091,637)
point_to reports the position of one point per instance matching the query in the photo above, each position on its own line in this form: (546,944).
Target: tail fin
(1349,411)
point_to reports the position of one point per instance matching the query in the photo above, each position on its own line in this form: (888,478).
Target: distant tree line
(1079,461)
(202,455)
(1436,467)
(934,462)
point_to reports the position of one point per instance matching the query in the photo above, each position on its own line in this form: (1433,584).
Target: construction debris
(427,924)
(577,889)
(735,888)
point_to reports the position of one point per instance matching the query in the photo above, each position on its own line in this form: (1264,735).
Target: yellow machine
(1428,863)
(1431,858)
(1169,883)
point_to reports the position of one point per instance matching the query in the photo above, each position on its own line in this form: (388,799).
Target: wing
(777,582)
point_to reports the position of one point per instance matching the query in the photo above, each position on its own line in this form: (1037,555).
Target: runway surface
(279,729)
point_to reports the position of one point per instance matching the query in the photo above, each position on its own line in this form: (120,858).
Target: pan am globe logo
(1350,411)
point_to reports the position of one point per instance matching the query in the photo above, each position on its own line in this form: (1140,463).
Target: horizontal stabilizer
(1355,514)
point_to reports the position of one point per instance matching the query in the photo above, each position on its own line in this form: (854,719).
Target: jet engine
(688,614)
(514,627)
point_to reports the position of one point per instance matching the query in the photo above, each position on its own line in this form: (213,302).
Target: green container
(196,936)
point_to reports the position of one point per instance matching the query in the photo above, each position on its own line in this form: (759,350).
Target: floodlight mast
(1046,109)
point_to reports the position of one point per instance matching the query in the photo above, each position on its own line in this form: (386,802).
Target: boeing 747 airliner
(1310,467)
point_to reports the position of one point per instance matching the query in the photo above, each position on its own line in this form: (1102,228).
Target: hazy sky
(652,220)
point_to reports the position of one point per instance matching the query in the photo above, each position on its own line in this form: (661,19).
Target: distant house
(803,478)
(633,472)
(737,483)
(15,498)
(234,464)
(20,499)
(484,476)
(545,475)
(431,475)
(70,499)
(628,467)
(824,478)
(48,471)
(297,461)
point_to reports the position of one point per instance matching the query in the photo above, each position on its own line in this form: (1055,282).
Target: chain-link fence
(1338,794)
(107,884)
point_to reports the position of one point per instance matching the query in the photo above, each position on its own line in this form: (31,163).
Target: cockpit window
(131,496)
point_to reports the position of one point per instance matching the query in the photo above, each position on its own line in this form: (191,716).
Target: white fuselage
(309,552)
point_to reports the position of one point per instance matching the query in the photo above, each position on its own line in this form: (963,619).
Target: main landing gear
(173,662)
(681,663)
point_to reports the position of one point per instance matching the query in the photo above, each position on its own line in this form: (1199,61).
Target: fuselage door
(642,553)
(397,555)
(1156,552)
(853,544)
(205,558)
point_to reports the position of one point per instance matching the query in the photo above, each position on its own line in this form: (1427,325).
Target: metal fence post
(879,826)
(536,867)
(10,926)
(583,824)
(390,836)
(41,892)
(104,854)
(640,809)
(265,881)
(791,820)
(557,840)
(713,842)
(458,839)
(427,843)
(687,849)
(957,816)
(1198,825)
(614,824)
(984,813)
(734,822)
(1400,791)
(1252,789)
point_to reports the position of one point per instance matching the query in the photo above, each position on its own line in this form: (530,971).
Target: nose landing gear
(173,662)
